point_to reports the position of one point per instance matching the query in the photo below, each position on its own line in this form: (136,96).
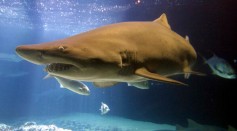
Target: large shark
(121,52)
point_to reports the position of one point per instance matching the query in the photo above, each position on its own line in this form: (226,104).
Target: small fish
(72,85)
(140,85)
(104,108)
(220,67)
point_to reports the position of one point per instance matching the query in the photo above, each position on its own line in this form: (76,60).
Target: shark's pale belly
(101,76)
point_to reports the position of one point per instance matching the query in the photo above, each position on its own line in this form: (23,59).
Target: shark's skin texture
(122,52)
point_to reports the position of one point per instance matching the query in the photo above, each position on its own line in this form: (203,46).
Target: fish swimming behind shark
(123,52)
(220,67)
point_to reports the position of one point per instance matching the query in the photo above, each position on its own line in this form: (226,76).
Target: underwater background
(26,96)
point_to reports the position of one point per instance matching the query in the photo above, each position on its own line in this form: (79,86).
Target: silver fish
(220,67)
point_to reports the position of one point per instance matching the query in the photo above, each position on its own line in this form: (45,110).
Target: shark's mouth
(56,67)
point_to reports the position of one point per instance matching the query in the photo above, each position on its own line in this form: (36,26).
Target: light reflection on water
(59,15)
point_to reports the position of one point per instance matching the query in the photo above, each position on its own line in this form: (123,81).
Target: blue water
(25,94)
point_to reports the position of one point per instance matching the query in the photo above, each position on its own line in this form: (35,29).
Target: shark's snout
(53,58)
(30,54)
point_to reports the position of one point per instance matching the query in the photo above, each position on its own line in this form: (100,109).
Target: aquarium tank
(118,65)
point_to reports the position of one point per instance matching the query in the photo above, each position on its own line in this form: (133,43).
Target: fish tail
(203,58)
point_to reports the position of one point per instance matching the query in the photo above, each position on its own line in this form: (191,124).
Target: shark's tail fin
(205,59)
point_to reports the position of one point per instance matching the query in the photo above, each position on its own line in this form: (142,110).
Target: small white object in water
(104,108)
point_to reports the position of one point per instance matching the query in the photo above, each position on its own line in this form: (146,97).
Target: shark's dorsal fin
(147,74)
(163,20)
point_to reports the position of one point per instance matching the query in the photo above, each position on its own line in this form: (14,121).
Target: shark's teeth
(54,67)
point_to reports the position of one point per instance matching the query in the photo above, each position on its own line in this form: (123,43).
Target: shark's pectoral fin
(145,73)
(104,84)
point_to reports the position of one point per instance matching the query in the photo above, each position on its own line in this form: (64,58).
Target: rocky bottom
(84,122)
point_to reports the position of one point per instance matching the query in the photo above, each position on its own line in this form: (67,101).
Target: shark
(129,52)
(194,126)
